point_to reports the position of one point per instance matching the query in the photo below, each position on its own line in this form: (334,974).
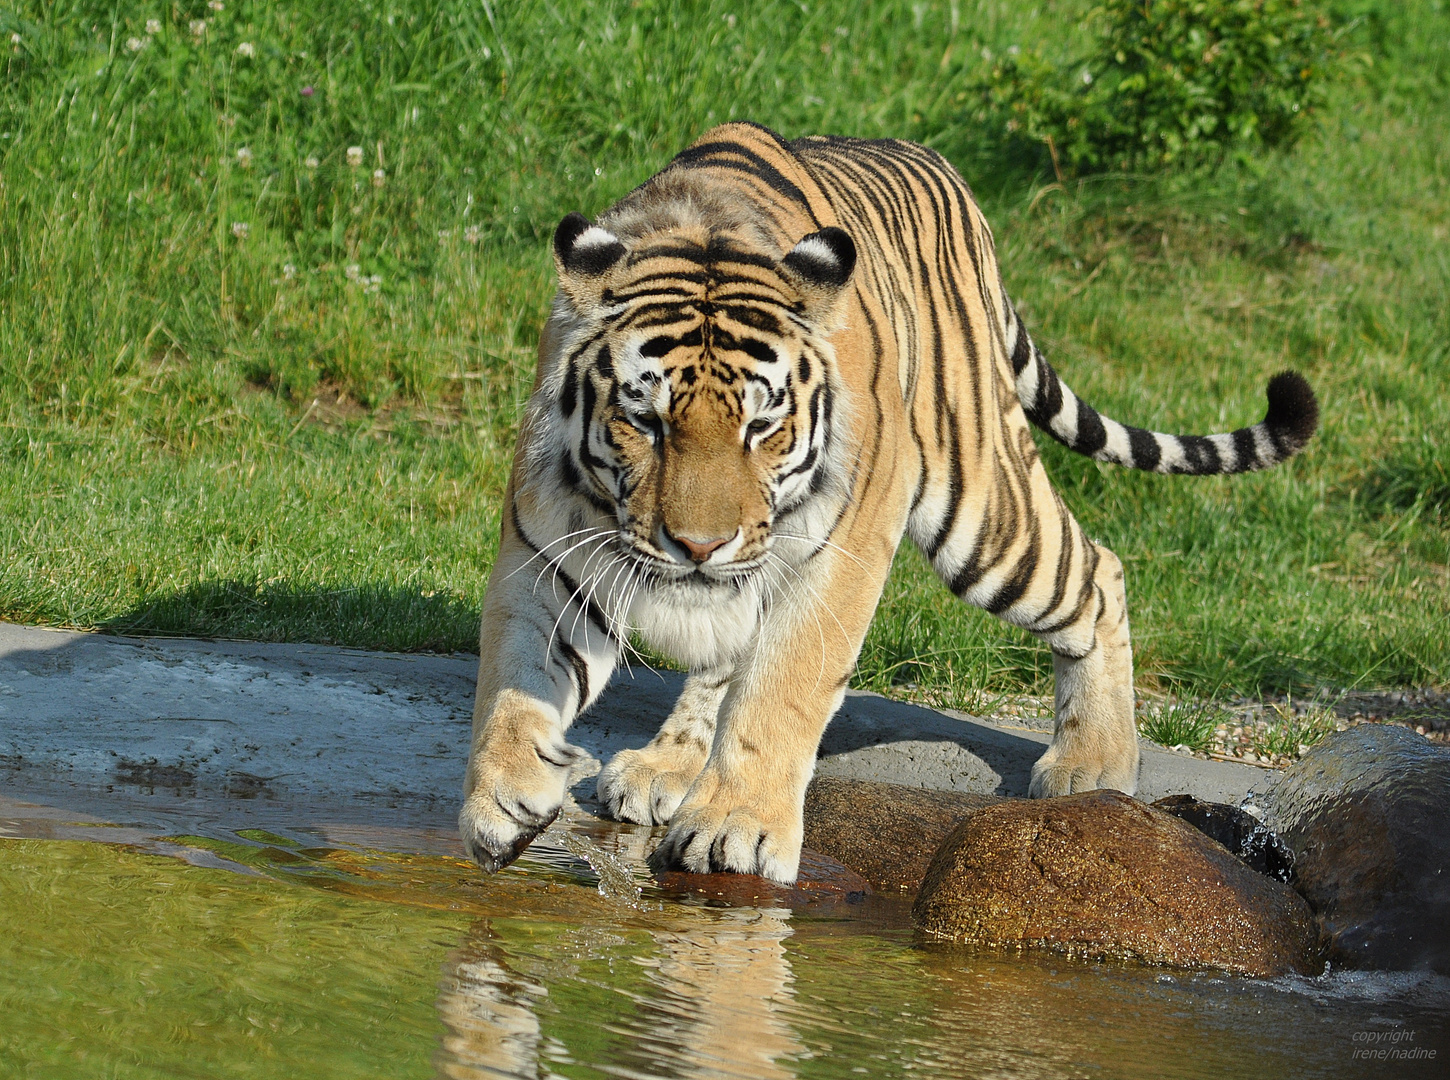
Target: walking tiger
(762,367)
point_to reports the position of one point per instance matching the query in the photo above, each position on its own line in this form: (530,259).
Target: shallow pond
(345,951)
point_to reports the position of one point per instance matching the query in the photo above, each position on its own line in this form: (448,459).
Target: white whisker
(558,563)
(563,610)
(820,631)
(540,553)
(815,594)
(619,623)
(636,584)
(590,584)
(822,544)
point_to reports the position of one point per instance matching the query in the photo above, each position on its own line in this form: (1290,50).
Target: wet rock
(1238,830)
(823,882)
(885,832)
(1101,875)
(1367,814)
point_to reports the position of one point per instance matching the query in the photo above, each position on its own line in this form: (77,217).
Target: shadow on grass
(1415,477)
(387,617)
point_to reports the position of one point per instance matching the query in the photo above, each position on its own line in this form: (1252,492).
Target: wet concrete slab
(174,734)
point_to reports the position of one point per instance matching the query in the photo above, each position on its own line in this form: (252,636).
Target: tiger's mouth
(667,570)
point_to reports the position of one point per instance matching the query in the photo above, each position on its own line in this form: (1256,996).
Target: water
(351,951)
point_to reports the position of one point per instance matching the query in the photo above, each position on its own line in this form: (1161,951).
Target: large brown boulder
(1100,875)
(1367,814)
(887,833)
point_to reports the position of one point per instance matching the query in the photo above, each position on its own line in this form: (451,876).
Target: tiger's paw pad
(706,840)
(646,786)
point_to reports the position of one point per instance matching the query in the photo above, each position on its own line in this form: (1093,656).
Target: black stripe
(752,347)
(519,527)
(578,668)
(720,155)
(1201,455)
(969,573)
(664,345)
(1049,394)
(816,409)
(1247,449)
(1022,351)
(954,485)
(569,395)
(649,316)
(1013,588)
(1146,452)
(591,397)
(1067,544)
(754,318)
(575,482)
(613,296)
(717,254)
(1091,435)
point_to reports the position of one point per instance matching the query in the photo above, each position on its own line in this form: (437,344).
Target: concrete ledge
(185,732)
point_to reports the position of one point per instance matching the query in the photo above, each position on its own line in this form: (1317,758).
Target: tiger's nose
(699,550)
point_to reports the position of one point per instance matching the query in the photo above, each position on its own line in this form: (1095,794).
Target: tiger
(761,369)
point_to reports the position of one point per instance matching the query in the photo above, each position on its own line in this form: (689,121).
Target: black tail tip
(1293,409)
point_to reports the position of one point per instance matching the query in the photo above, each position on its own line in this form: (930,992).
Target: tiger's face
(697,394)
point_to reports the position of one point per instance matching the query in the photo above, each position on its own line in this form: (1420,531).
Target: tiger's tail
(1050,404)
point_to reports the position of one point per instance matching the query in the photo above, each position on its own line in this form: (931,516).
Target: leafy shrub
(1166,81)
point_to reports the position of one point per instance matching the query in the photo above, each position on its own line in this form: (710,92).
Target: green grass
(303,433)
(1292,734)
(1182,723)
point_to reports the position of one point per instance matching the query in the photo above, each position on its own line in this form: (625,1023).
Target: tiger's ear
(583,254)
(819,266)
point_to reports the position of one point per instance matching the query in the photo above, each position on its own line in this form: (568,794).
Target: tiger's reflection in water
(489,1015)
(717,987)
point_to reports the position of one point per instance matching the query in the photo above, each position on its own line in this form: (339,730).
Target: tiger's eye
(652,426)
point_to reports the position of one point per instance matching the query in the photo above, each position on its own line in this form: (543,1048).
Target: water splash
(616,881)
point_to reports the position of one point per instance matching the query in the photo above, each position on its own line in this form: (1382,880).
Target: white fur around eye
(646,373)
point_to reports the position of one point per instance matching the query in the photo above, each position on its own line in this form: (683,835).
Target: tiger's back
(764,366)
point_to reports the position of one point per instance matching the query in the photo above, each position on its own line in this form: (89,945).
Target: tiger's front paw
(515,794)
(646,786)
(719,829)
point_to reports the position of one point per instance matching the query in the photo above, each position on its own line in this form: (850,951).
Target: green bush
(1166,82)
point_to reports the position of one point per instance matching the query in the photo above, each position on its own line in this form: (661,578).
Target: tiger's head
(691,393)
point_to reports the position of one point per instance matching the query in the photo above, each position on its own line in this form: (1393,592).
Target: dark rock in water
(1238,830)
(823,882)
(886,832)
(1102,875)
(1367,814)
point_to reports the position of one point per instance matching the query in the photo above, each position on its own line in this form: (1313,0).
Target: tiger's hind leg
(1049,578)
(1095,739)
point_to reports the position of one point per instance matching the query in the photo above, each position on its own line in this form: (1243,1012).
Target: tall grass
(253,385)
